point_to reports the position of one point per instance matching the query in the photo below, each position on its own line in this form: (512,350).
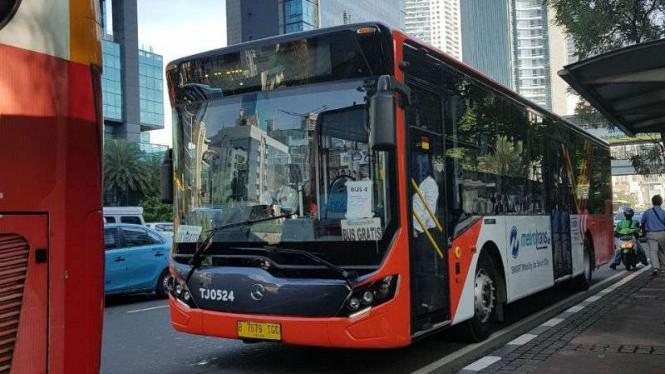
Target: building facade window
(301,15)
(151,89)
(111,81)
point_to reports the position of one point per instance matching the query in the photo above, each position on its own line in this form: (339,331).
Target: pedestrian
(653,222)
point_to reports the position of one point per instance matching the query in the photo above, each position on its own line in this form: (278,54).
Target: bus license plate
(259,330)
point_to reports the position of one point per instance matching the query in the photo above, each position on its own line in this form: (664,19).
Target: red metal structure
(51,252)
(460,198)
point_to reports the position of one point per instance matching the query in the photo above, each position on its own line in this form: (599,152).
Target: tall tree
(124,171)
(599,26)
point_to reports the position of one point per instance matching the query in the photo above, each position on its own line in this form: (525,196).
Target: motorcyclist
(628,227)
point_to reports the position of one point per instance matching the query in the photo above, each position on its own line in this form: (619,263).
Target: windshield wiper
(348,276)
(203,245)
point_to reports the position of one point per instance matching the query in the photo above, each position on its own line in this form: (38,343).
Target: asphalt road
(138,338)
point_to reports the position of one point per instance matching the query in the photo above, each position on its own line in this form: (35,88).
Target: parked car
(164,228)
(124,214)
(137,260)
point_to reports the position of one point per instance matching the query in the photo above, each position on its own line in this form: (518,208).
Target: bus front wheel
(485,301)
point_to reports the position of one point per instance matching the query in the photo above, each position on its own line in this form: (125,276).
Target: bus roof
(279,39)
(457,64)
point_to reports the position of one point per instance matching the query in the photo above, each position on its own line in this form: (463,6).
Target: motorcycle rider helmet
(629,213)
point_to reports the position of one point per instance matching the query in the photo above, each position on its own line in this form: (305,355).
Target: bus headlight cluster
(180,292)
(370,295)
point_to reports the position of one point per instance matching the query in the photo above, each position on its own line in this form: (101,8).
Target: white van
(124,214)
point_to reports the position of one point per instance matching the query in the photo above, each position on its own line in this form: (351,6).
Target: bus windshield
(301,152)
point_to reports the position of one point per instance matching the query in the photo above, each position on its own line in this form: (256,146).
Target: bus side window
(109,219)
(493,152)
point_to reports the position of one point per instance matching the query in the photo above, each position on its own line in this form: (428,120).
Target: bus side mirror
(382,116)
(166,178)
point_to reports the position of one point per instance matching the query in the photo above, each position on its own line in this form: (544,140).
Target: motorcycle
(629,256)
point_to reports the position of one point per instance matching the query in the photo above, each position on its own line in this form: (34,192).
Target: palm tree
(506,160)
(153,167)
(124,171)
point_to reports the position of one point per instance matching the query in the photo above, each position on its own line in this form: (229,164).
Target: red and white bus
(368,190)
(51,252)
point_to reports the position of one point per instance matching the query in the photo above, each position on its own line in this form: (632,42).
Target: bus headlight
(180,292)
(373,294)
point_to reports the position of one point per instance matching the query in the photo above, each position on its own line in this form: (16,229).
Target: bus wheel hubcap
(484,297)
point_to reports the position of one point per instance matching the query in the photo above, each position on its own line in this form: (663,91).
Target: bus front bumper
(372,329)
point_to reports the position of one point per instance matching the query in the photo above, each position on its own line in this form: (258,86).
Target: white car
(124,214)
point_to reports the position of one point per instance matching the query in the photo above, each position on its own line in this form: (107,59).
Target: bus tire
(583,281)
(485,301)
(162,289)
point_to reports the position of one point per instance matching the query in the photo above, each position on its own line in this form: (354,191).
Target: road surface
(138,338)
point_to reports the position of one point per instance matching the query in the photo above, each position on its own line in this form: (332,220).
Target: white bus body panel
(489,232)
(577,228)
(529,255)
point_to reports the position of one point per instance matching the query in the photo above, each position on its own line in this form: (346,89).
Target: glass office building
(300,15)
(151,91)
(250,19)
(111,84)
(517,43)
(342,12)
(486,39)
(132,78)
(530,46)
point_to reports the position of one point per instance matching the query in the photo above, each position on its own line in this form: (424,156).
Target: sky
(179,28)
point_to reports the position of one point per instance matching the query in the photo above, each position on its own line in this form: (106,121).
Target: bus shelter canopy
(626,85)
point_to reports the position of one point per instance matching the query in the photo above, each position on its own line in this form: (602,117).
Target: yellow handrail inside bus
(427,207)
(429,236)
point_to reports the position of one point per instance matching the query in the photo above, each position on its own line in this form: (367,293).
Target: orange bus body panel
(50,163)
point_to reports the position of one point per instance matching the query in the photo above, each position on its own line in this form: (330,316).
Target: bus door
(428,249)
(561,205)
(24,289)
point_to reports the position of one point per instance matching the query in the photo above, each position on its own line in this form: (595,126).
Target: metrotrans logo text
(537,239)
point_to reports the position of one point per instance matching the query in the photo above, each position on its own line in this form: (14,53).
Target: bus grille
(14,253)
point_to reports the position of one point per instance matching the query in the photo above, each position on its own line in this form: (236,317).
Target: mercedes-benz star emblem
(258,291)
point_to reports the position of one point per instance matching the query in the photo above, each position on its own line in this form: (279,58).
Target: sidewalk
(619,330)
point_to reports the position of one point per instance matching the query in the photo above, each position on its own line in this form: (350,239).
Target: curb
(498,339)
(512,349)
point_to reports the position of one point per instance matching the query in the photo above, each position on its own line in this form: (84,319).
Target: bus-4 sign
(365,229)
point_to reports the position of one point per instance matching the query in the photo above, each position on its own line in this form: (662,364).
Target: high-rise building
(340,12)
(251,19)
(484,21)
(531,51)
(436,22)
(517,43)
(132,78)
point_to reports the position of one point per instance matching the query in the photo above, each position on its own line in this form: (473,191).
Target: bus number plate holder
(259,330)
